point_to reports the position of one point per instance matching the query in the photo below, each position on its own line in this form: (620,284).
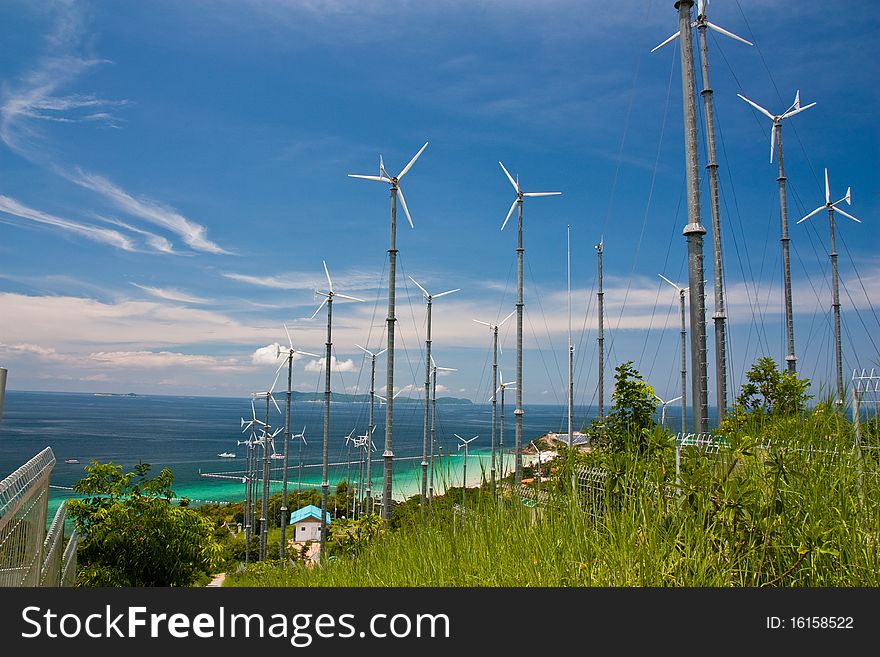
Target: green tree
(772,391)
(134,535)
(631,417)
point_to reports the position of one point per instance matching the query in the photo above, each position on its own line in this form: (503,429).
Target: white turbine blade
(424,291)
(672,38)
(345,296)
(510,212)
(433,363)
(670,282)
(674,400)
(403,205)
(848,197)
(510,178)
(730,34)
(827,188)
(846,214)
(512,313)
(796,111)
(758,107)
(542,193)
(364,350)
(289,340)
(327,274)
(436,296)
(411,162)
(319,309)
(382,171)
(700,8)
(307,353)
(797,98)
(381,352)
(773,139)
(277,407)
(483,323)
(457,436)
(376,178)
(816,211)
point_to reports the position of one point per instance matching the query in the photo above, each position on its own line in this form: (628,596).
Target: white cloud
(193,234)
(164,359)
(171,294)
(346,365)
(103,235)
(267,355)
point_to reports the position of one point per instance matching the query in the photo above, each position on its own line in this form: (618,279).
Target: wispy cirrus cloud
(193,234)
(38,97)
(106,236)
(172,294)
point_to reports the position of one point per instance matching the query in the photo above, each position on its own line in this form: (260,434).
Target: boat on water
(277,456)
(226,455)
(71,460)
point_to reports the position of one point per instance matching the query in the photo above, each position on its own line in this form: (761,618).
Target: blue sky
(173,174)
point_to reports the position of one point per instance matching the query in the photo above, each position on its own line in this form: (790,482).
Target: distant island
(115,394)
(365,398)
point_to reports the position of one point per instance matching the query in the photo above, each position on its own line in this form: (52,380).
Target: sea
(187,434)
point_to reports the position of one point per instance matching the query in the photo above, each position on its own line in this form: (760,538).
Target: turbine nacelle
(520,194)
(703,22)
(795,108)
(394,181)
(832,207)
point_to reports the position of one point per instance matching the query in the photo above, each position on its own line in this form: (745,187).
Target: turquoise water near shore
(187,434)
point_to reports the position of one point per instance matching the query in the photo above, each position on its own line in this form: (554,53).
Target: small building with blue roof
(307,523)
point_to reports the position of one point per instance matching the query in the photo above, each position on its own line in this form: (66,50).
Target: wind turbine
(434,369)
(694,230)
(720,315)
(329,295)
(502,386)
(366,441)
(464,444)
(832,208)
(494,328)
(600,333)
(372,426)
(248,480)
(350,441)
(518,204)
(302,443)
(776,137)
(285,512)
(266,440)
(663,404)
(681,294)
(396,193)
(429,298)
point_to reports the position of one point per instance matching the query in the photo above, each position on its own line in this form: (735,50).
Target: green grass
(796,515)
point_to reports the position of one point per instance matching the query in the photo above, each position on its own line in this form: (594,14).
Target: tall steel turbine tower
(502,386)
(494,328)
(291,351)
(682,291)
(329,295)
(600,333)
(466,445)
(396,193)
(434,369)
(776,139)
(694,231)
(835,287)
(266,441)
(518,412)
(429,299)
(720,315)
(368,491)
